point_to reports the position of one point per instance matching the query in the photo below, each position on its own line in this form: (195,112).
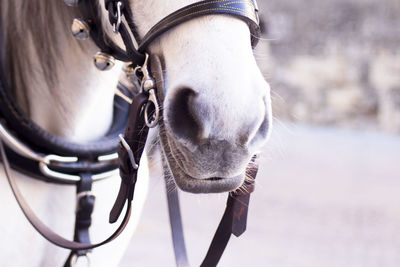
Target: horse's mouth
(196,185)
(209,185)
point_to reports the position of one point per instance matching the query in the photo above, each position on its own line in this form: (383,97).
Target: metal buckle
(129,151)
(74,261)
(47,160)
(62,177)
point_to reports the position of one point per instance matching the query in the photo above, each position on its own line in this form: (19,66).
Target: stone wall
(333,62)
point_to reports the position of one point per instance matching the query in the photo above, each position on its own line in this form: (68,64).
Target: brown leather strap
(46,232)
(135,136)
(234,221)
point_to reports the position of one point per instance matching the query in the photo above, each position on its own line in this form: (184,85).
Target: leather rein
(53,159)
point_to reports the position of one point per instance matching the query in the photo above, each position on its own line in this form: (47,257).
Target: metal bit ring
(151,110)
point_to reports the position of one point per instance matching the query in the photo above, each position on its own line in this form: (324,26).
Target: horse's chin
(209,185)
(192,184)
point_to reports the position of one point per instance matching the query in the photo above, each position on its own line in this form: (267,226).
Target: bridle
(60,161)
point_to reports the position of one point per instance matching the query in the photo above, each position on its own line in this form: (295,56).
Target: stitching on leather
(238,11)
(240,2)
(213,2)
(173,18)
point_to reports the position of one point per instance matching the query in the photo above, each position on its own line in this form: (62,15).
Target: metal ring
(151,117)
(74,260)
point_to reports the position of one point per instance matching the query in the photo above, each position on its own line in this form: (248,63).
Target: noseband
(144,113)
(91,25)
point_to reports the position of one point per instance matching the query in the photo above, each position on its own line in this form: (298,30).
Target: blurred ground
(325,197)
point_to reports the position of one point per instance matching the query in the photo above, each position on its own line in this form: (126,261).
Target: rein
(63,162)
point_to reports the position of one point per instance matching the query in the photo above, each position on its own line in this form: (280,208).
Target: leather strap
(31,167)
(135,136)
(44,142)
(242,9)
(46,232)
(112,7)
(234,221)
(90,10)
(83,218)
(246,10)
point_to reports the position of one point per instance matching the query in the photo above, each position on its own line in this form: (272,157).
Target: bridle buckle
(75,259)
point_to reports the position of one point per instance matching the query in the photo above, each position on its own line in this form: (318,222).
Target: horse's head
(217,111)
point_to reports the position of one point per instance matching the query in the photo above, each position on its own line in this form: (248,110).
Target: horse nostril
(181,115)
(264,128)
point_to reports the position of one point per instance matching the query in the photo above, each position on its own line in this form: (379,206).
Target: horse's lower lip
(196,185)
(208,185)
(213,179)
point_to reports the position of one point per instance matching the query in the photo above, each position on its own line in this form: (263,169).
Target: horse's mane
(27,28)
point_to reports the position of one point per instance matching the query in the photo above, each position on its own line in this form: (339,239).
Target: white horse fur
(216,114)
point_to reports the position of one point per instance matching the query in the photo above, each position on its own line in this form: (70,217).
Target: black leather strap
(246,10)
(31,167)
(234,221)
(46,232)
(135,136)
(128,184)
(112,7)
(92,14)
(84,209)
(44,142)
(242,9)
(83,215)
(175,221)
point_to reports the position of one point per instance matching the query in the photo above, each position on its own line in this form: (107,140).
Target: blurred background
(328,190)
(334,62)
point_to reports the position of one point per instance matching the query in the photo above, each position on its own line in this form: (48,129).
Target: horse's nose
(194,120)
(182,117)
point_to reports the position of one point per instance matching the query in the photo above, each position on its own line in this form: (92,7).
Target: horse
(216,113)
